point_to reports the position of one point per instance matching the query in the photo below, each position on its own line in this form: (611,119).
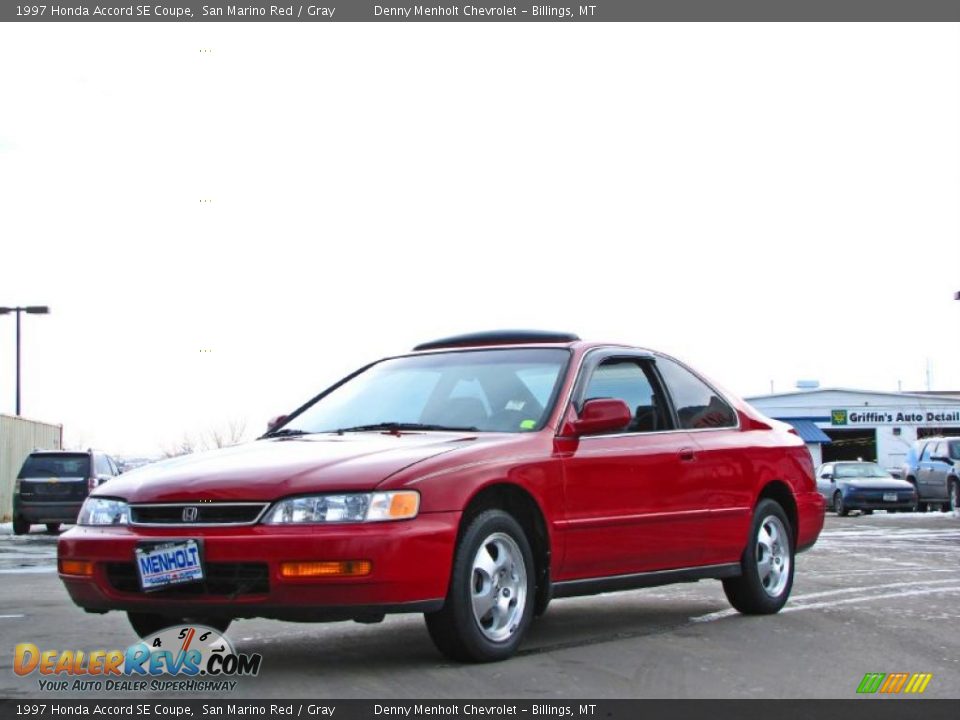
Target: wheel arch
(523,506)
(780,492)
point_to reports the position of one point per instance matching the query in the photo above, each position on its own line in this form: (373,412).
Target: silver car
(933,467)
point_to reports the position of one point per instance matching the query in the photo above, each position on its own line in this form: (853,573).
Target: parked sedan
(863,486)
(471,480)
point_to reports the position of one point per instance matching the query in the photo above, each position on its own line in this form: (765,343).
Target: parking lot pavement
(878,593)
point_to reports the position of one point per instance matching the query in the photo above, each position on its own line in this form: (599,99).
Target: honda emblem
(189,514)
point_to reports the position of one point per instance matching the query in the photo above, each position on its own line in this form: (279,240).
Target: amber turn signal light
(341,568)
(76,567)
(404,505)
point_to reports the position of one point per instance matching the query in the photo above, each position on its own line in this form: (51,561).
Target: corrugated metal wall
(18,438)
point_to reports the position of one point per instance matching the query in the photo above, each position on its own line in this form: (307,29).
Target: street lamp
(30,310)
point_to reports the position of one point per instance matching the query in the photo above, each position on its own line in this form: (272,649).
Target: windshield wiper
(399,426)
(285,432)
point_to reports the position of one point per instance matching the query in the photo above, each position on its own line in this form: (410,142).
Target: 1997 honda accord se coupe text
(472,480)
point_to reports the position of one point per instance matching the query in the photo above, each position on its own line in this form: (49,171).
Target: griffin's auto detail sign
(881,416)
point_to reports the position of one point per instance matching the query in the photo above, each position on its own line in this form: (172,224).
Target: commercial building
(846,424)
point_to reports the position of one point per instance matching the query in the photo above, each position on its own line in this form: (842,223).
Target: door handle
(687,455)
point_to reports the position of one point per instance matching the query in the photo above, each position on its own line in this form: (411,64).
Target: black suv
(53,484)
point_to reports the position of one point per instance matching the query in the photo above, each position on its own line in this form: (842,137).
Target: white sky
(768,202)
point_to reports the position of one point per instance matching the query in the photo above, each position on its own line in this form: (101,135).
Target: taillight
(91,484)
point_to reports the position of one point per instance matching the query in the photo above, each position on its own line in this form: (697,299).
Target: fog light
(75,567)
(341,568)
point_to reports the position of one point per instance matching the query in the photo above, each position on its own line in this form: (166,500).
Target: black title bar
(482,11)
(53,708)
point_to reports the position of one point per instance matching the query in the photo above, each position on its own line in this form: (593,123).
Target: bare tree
(227,434)
(184,446)
(232,432)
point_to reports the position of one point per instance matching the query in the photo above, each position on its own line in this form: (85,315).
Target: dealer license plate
(889,497)
(169,564)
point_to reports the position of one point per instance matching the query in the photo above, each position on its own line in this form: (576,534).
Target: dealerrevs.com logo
(199,657)
(894,683)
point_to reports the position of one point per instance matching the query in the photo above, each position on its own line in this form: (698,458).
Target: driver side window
(633,382)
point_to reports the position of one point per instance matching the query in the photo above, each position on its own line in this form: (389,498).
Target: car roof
(499,337)
(61,451)
(518,339)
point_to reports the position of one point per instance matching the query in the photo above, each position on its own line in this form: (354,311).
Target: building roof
(808,430)
(854,391)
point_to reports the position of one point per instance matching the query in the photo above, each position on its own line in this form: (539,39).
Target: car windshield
(508,390)
(59,465)
(861,470)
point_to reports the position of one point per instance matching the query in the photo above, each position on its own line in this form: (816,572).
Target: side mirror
(276,422)
(602,415)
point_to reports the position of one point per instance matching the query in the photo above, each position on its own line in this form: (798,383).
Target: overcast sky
(770,202)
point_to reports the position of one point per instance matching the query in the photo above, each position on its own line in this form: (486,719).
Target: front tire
(146,624)
(955,496)
(53,528)
(766,564)
(20,526)
(838,505)
(490,602)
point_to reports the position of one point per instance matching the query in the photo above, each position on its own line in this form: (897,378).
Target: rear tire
(955,496)
(53,528)
(867,512)
(490,602)
(766,564)
(146,624)
(20,526)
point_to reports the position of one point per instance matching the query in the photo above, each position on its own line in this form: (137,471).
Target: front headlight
(353,507)
(103,511)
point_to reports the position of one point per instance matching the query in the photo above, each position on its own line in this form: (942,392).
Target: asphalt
(877,593)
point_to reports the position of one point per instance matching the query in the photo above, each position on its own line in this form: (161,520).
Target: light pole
(30,310)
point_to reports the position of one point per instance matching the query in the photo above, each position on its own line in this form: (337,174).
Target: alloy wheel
(773,556)
(498,587)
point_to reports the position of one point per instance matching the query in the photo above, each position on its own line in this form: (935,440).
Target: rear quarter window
(698,406)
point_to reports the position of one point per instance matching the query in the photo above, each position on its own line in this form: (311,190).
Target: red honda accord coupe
(473,480)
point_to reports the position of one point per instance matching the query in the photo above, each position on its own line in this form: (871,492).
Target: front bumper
(411,563)
(873,500)
(48,512)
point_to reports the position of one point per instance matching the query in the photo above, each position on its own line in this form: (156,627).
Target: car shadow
(402,642)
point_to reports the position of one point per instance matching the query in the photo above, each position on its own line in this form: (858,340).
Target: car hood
(272,468)
(877,484)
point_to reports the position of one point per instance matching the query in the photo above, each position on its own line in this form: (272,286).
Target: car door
(927,472)
(720,484)
(625,491)
(940,467)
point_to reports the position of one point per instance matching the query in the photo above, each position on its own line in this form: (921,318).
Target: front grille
(220,579)
(46,490)
(196,514)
